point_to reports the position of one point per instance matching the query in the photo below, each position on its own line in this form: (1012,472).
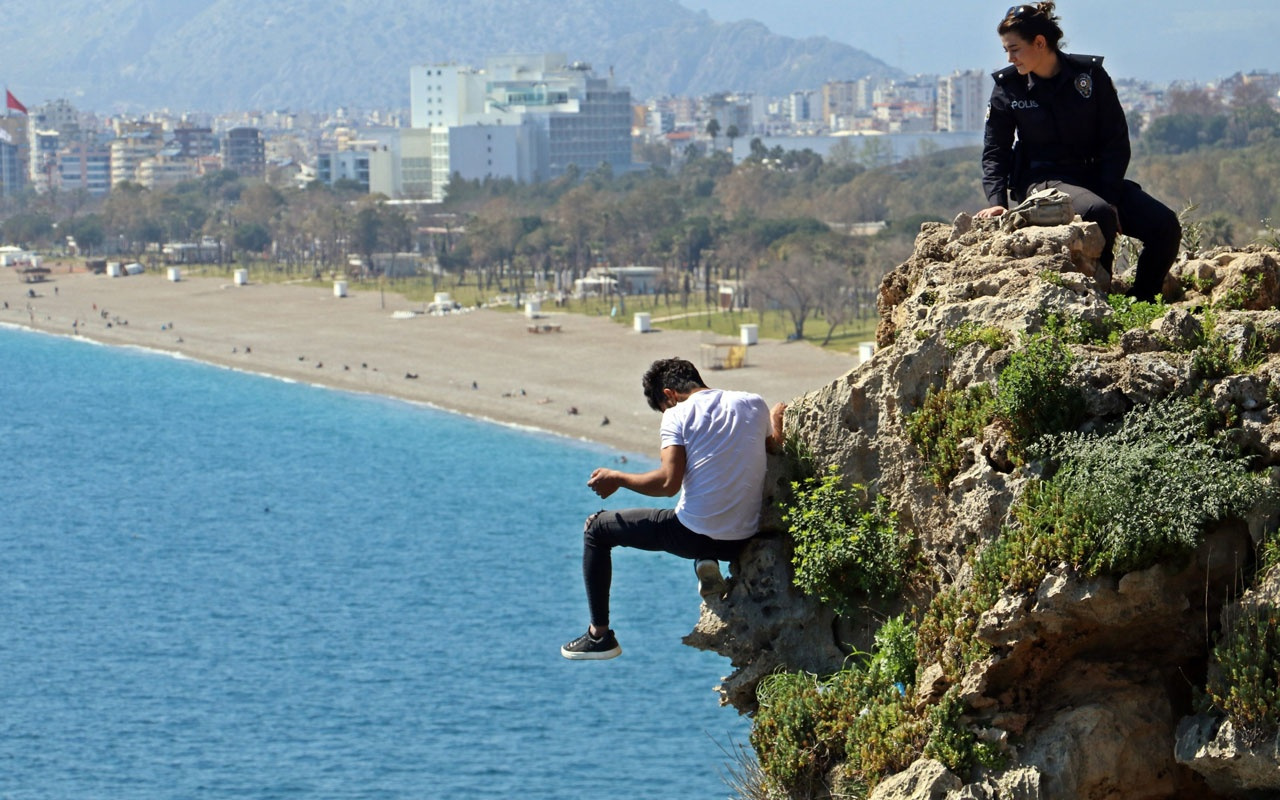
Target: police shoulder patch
(1084,85)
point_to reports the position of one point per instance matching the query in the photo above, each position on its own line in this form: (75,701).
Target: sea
(224,585)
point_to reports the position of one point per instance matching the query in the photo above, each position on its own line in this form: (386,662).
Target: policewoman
(1054,121)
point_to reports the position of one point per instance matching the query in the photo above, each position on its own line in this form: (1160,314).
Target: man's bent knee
(591,528)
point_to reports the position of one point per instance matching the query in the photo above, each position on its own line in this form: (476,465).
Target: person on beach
(713,453)
(1054,121)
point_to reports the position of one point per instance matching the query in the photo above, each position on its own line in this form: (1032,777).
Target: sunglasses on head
(1020,12)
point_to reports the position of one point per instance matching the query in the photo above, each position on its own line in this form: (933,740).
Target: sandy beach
(482,363)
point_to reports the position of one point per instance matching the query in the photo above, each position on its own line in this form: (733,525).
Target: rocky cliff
(1084,491)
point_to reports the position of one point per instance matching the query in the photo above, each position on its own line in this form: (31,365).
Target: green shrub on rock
(785,732)
(1131,314)
(866,719)
(946,633)
(1032,394)
(1215,356)
(1246,684)
(862,718)
(946,418)
(894,661)
(992,337)
(951,743)
(1124,499)
(1149,488)
(846,545)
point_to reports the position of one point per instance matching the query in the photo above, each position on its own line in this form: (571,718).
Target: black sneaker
(710,582)
(588,648)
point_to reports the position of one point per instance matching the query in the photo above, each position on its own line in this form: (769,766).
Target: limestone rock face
(1090,684)
(924,780)
(1216,750)
(764,623)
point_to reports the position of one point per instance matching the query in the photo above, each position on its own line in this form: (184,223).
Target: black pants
(655,529)
(1139,215)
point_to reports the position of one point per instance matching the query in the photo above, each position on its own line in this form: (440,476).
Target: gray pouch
(1045,207)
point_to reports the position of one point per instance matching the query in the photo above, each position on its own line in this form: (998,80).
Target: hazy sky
(1162,40)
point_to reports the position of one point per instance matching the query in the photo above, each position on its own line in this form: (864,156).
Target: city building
(85,166)
(906,106)
(730,111)
(244,153)
(59,116)
(195,142)
(524,117)
(840,102)
(134,143)
(165,169)
(42,157)
(395,162)
(415,164)
(12,169)
(802,107)
(962,100)
(13,154)
(348,165)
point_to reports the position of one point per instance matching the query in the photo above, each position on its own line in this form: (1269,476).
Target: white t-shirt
(723,434)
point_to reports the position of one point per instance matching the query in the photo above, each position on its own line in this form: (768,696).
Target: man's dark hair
(675,374)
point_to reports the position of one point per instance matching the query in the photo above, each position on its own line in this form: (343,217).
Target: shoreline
(581,382)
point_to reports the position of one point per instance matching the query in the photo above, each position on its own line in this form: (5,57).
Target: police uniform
(1069,132)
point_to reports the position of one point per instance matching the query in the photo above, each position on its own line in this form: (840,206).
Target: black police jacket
(1069,128)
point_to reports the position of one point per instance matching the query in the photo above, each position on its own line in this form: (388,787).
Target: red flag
(12,102)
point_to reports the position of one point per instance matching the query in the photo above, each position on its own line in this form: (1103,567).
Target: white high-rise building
(129,150)
(43,155)
(962,100)
(525,117)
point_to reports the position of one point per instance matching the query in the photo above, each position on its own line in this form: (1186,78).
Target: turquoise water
(221,585)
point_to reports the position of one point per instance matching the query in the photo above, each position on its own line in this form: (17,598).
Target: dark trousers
(1139,215)
(655,529)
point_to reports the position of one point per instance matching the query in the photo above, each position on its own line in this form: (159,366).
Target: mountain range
(224,55)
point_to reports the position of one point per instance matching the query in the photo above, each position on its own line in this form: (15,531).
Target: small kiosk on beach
(724,355)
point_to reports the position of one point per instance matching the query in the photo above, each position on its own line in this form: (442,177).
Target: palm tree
(713,130)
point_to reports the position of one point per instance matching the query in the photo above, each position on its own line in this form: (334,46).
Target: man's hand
(774,443)
(993,211)
(664,481)
(604,482)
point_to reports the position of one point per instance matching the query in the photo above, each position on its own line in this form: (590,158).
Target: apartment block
(243,152)
(415,168)
(134,143)
(349,165)
(12,171)
(195,142)
(60,116)
(802,106)
(731,111)
(840,102)
(525,117)
(85,166)
(962,100)
(43,158)
(165,170)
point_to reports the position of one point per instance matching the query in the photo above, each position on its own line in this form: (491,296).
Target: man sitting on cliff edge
(713,453)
